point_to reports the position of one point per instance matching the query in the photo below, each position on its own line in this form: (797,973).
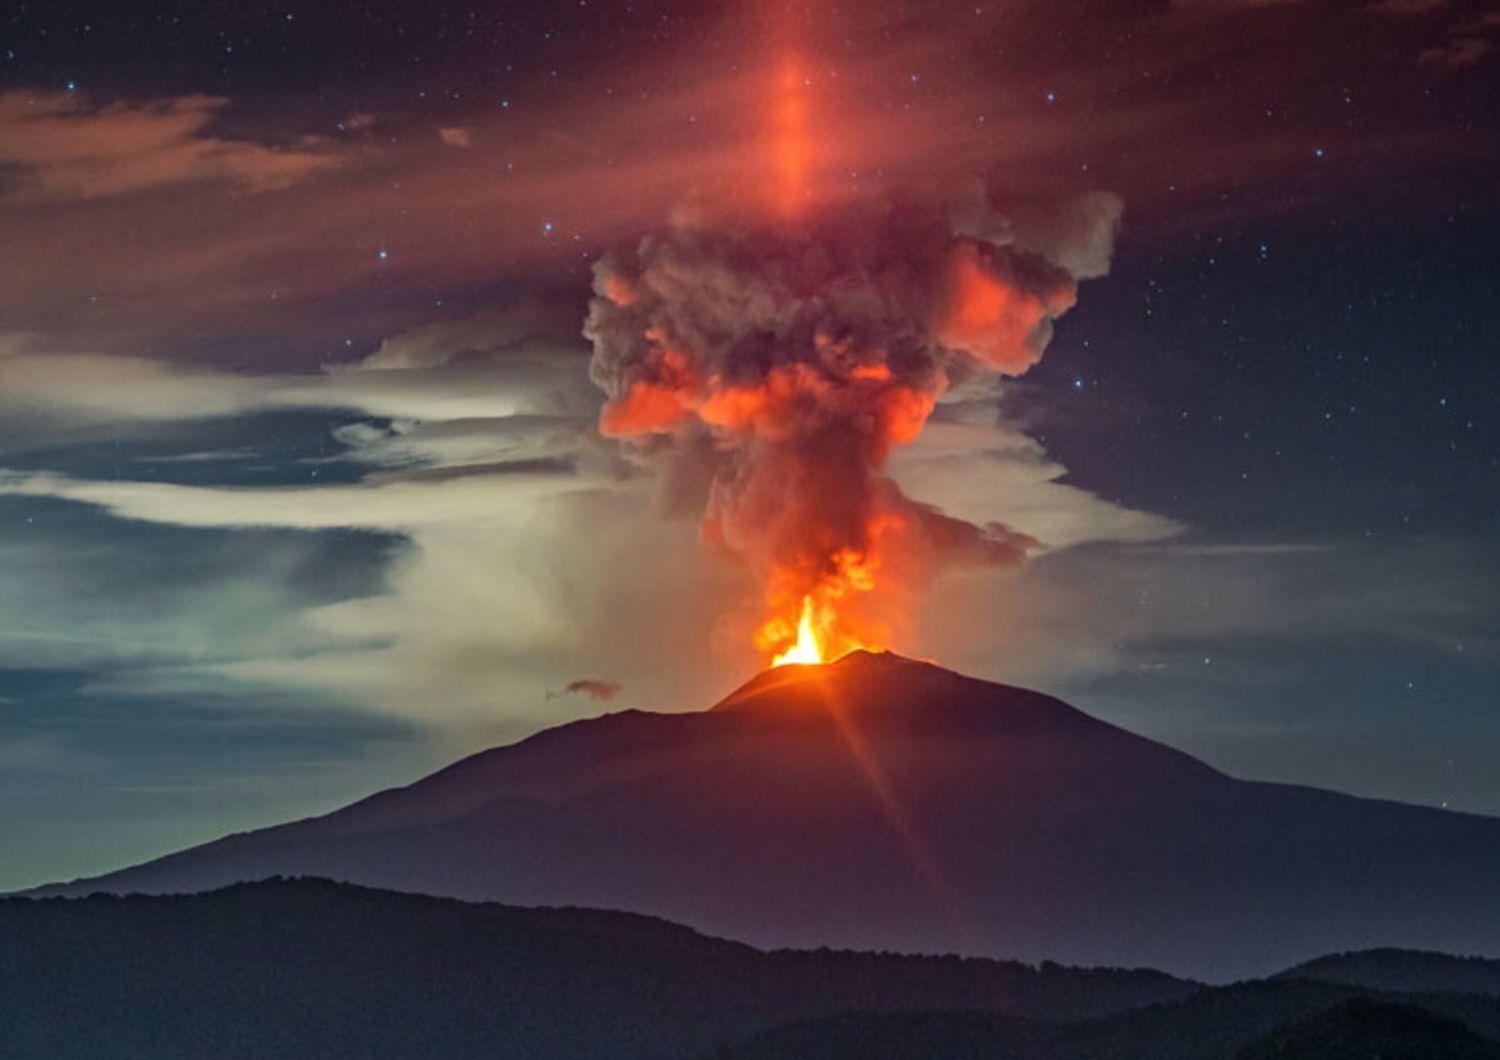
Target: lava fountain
(805,649)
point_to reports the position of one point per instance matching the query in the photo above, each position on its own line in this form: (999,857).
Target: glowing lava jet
(820,635)
(805,649)
(773,355)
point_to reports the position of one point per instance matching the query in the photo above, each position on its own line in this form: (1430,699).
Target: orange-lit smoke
(777,366)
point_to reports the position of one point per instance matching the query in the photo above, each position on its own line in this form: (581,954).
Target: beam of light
(902,823)
(789,118)
(791,135)
(896,813)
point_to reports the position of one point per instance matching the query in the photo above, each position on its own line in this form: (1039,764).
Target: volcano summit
(882,803)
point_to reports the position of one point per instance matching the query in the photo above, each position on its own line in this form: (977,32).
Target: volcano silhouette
(882,803)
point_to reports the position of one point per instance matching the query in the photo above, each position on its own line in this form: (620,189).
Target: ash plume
(774,366)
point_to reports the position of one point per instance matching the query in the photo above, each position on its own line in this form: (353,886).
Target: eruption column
(773,361)
(775,367)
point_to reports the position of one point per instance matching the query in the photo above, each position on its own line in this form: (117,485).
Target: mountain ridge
(1397,970)
(310,968)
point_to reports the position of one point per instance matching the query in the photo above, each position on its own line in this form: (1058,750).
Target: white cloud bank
(533,553)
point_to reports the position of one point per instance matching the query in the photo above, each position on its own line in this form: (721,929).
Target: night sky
(300,491)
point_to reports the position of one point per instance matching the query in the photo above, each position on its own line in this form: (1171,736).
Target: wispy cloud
(62,146)
(1459,52)
(1404,8)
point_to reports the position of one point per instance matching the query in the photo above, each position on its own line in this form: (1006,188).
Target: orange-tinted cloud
(584,162)
(62,147)
(1458,53)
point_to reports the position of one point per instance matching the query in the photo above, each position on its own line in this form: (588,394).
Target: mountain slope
(310,969)
(883,803)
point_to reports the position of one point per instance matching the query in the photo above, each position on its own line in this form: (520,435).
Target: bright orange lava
(826,618)
(806,648)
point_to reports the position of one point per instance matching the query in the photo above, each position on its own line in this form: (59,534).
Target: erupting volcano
(772,364)
(772,354)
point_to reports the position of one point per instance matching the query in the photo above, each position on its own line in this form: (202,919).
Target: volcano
(882,803)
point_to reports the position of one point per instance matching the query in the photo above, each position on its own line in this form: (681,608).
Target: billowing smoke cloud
(778,365)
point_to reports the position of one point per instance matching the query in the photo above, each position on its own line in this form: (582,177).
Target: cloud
(592,687)
(538,441)
(504,585)
(1076,617)
(297,276)
(1458,53)
(63,147)
(976,467)
(39,753)
(1228,5)
(98,595)
(1468,40)
(92,387)
(456,137)
(1404,8)
(525,324)
(528,550)
(383,504)
(464,385)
